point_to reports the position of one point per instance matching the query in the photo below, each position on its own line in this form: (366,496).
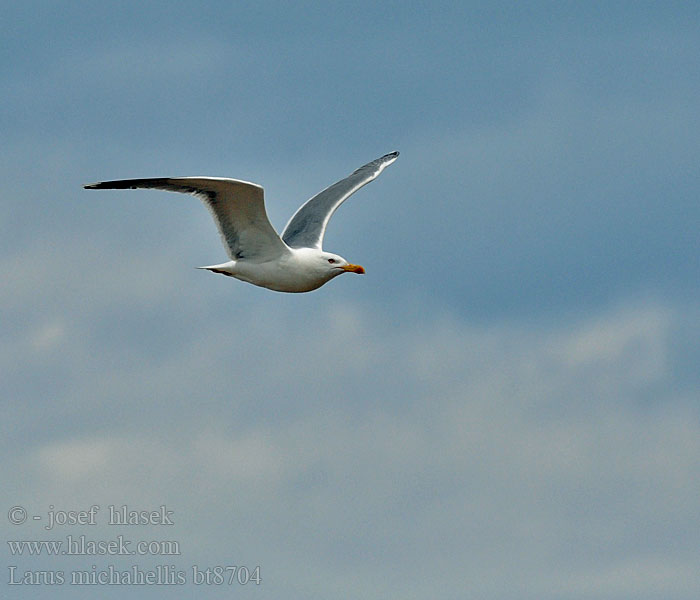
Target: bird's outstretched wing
(306,228)
(238,208)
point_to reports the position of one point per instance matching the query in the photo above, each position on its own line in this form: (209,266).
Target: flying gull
(294,262)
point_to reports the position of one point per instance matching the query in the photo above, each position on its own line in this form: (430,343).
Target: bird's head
(336,265)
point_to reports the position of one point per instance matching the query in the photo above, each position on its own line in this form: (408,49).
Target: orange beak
(354,269)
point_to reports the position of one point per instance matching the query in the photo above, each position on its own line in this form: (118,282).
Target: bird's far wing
(238,208)
(306,228)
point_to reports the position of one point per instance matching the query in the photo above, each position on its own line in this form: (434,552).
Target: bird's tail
(224,269)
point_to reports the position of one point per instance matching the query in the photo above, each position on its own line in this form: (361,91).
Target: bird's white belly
(281,276)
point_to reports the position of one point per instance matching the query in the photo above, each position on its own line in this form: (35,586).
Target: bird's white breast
(296,271)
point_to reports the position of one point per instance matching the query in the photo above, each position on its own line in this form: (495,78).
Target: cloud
(489,457)
(505,406)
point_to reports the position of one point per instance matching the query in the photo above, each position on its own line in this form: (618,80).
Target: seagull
(292,262)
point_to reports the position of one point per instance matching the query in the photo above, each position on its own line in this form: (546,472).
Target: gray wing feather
(238,208)
(306,228)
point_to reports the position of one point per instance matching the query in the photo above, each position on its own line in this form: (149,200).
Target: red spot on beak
(355,269)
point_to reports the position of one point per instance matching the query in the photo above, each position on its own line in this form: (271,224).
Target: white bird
(294,262)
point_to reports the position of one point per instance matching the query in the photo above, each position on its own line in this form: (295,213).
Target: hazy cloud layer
(556,462)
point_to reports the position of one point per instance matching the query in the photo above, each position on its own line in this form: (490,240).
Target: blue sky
(504,407)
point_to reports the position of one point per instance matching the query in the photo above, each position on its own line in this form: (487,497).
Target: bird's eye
(331,261)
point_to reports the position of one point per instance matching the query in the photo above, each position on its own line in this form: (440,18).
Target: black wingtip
(384,160)
(91,186)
